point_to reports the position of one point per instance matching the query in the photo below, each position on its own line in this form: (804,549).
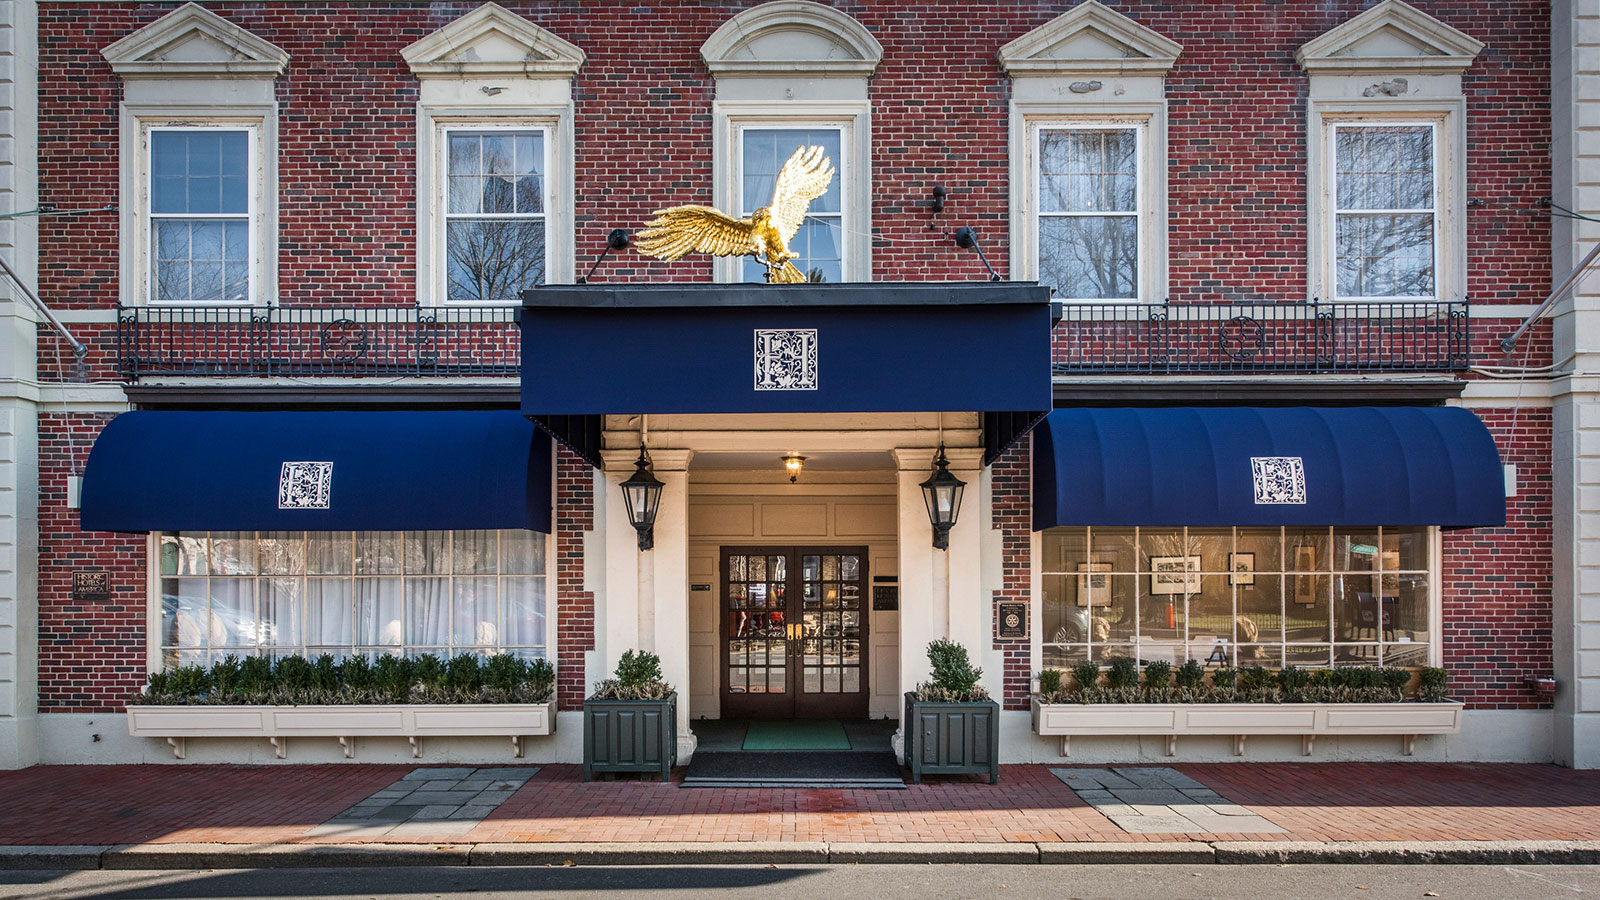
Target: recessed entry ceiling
(839,461)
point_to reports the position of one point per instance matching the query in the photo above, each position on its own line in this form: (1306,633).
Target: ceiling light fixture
(793,463)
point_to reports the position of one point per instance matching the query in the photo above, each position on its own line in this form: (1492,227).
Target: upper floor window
(762,153)
(200,215)
(494,243)
(1384,211)
(1089,221)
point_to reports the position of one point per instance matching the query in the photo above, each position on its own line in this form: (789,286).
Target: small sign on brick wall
(1011,619)
(90,587)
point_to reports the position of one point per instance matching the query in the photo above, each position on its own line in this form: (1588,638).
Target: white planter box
(277,724)
(1308,720)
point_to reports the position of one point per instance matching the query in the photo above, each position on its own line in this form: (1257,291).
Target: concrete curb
(308,856)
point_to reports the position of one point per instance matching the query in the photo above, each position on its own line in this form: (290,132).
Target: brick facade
(1236,197)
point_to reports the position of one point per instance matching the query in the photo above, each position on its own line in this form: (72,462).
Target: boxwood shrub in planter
(630,723)
(952,727)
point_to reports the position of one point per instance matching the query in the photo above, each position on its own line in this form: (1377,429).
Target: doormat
(796,734)
(794,769)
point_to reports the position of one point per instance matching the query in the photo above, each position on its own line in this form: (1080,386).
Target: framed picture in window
(1242,569)
(1174,574)
(1305,586)
(1094,586)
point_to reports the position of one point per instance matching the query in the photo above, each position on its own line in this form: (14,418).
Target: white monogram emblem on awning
(305,485)
(786,359)
(1279,479)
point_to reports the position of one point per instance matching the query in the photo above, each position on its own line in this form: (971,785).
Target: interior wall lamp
(793,463)
(942,494)
(642,494)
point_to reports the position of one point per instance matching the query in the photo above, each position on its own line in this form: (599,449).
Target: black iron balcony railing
(1245,338)
(312,341)
(1091,338)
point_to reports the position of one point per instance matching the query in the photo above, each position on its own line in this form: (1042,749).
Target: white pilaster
(19,441)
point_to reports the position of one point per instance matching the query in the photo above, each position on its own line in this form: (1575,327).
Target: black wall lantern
(942,493)
(642,493)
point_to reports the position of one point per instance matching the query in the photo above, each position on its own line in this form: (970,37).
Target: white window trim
(433,183)
(1448,120)
(1149,123)
(852,171)
(1331,153)
(1140,212)
(137,265)
(253,202)
(153,600)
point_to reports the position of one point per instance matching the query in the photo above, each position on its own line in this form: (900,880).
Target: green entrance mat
(796,734)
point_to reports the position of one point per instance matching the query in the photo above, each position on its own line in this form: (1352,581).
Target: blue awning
(626,349)
(318,471)
(1250,466)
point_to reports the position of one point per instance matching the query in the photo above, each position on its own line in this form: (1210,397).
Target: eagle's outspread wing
(682,230)
(804,178)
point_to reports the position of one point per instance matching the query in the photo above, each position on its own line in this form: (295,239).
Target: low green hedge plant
(954,680)
(1253,684)
(637,677)
(298,681)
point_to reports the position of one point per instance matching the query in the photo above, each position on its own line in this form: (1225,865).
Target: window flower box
(413,721)
(1239,720)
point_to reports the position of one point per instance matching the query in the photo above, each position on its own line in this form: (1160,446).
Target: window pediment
(1390,37)
(1090,39)
(193,42)
(492,40)
(790,36)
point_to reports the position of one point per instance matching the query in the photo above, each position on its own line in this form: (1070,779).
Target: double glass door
(794,632)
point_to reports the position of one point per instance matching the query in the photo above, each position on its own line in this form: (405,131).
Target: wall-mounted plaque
(90,587)
(699,587)
(886,597)
(1012,619)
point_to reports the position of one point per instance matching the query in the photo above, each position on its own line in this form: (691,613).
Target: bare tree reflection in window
(1384,211)
(495,229)
(1088,213)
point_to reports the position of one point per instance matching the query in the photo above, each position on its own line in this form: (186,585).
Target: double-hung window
(819,242)
(495,240)
(1385,211)
(201,215)
(1089,211)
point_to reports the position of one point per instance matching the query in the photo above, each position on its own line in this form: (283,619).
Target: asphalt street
(879,882)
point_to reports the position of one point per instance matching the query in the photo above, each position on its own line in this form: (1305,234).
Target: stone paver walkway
(1344,802)
(428,801)
(1158,800)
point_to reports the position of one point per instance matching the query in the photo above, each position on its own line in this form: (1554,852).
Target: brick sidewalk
(64,805)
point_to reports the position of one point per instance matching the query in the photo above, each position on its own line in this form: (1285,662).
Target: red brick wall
(1497,581)
(91,655)
(1011,480)
(1236,180)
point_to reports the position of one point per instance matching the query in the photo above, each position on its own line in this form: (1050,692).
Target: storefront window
(345,593)
(1238,596)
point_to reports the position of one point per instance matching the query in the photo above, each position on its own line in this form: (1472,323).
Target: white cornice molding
(1390,37)
(193,42)
(492,41)
(1090,39)
(789,37)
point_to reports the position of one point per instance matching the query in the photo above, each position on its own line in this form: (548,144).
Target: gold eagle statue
(681,230)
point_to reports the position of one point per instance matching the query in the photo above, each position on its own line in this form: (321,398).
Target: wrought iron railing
(1244,338)
(315,340)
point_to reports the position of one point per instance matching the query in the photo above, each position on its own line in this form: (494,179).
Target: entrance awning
(318,471)
(1266,466)
(593,350)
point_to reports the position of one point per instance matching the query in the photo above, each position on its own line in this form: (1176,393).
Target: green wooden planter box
(952,738)
(630,736)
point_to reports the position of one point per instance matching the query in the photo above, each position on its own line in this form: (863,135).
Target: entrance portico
(719,383)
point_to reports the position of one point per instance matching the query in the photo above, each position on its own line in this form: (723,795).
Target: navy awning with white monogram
(160,470)
(1266,466)
(628,349)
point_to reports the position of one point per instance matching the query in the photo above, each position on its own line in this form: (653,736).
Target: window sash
(250,216)
(1342,639)
(447,177)
(1341,214)
(754,271)
(1134,273)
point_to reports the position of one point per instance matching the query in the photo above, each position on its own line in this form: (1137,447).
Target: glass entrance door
(794,626)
